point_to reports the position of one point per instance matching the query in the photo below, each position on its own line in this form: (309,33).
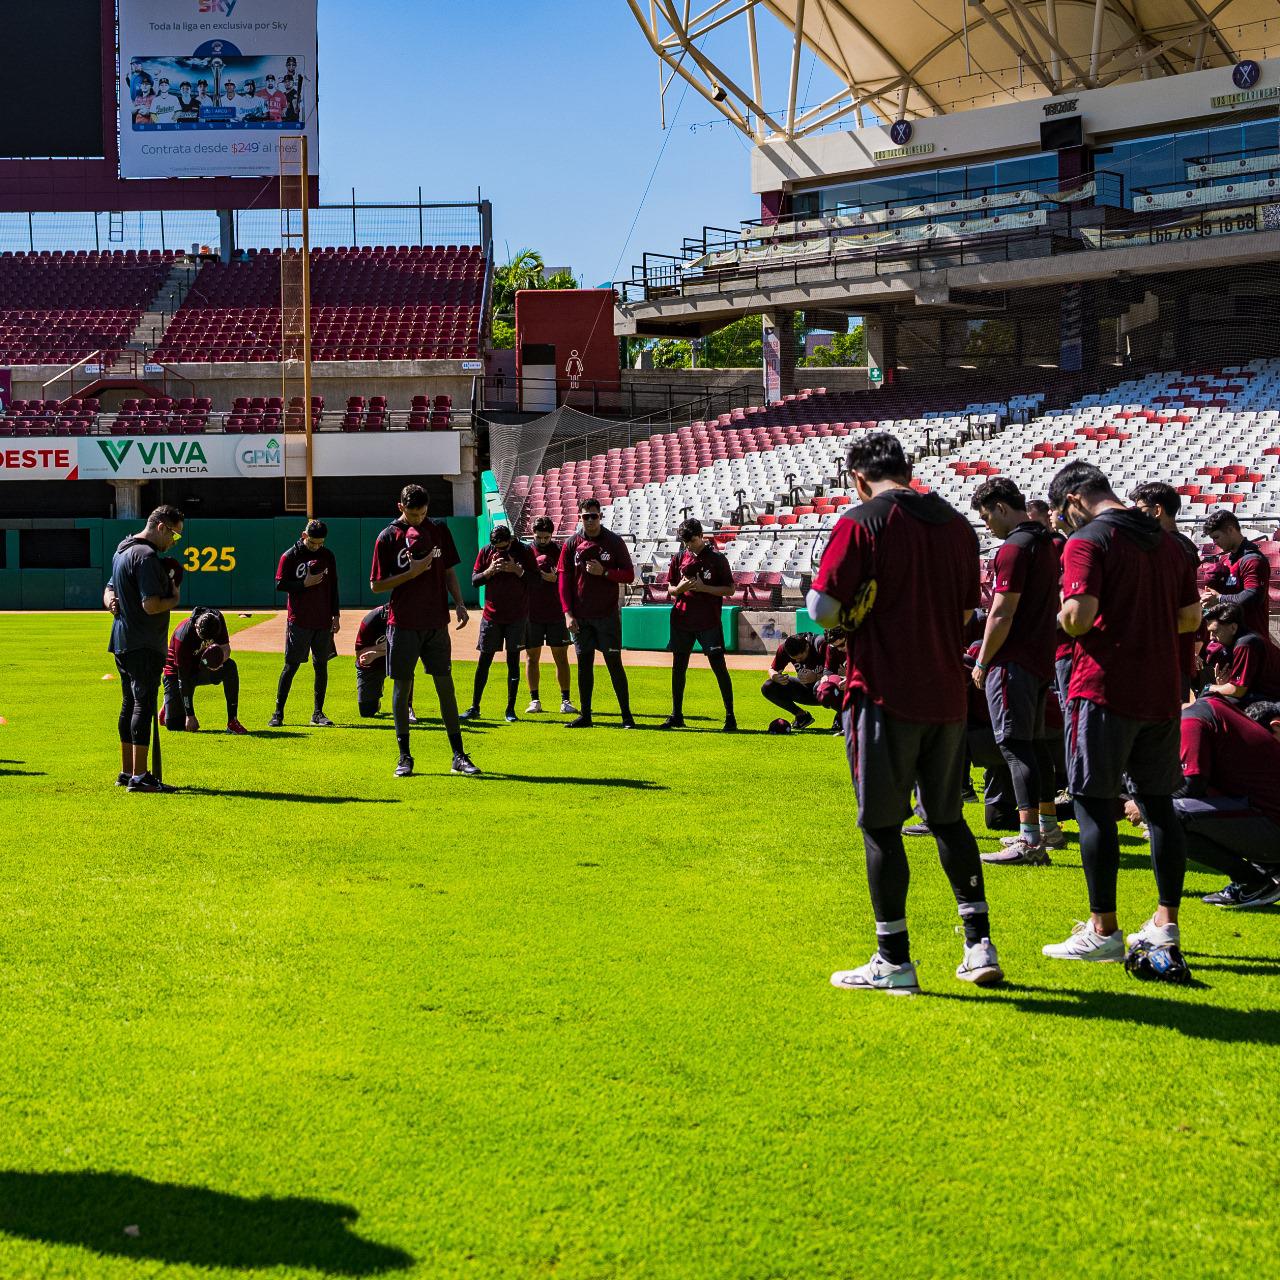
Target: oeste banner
(223,457)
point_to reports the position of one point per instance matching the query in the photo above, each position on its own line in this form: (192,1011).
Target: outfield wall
(231,564)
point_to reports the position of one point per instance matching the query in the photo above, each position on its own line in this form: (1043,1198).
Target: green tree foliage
(526,270)
(845,349)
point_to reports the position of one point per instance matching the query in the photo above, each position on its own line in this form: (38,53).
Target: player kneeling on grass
(142,592)
(504,569)
(308,573)
(1249,664)
(199,653)
(900,574)
(1229,803)
(414,560)
(371,663)
(1015,665)
(546,619)
(793,693)
(701,579)
(1128,592)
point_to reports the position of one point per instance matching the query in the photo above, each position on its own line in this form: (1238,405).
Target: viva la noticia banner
(142,458)
(207,88)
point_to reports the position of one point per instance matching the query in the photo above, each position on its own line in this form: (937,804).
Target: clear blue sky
(548,107)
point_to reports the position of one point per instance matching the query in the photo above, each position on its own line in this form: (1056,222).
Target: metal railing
(673,403)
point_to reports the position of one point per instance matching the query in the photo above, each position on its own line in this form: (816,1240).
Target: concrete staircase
(146,336)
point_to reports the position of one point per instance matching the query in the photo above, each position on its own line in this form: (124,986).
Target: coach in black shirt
(142,592)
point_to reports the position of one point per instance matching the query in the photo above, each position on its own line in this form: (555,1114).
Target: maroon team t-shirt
(1232,754)
(506,595)
(589,595)
(312,607)
(544,597)
(184,644)
(908,654)
(1027,565)
(1255,666)
(423,604)
(696,610)
(1247,579)
(1129,660)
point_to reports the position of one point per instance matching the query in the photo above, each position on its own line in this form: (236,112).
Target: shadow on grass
(295,797)
(632,784)
(276,733)
(189,1226)
(21,773)
(1200,1021)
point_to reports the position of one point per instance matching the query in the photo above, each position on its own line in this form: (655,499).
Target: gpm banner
(208,87)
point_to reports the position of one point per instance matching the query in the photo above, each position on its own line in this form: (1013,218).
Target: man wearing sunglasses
(700,580)
(142,592)
(594,563)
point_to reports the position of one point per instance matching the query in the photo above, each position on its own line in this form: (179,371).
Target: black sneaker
(510,717)
(803,721)
(462,764)
(150,784)
(917,829)
(321,721)
(582,722)
(627,723)
(471,713)
(837,729)
(276,720)
(1245,895)
(730,725)
(968,796)
(122,778)
(672,722)
(405,767)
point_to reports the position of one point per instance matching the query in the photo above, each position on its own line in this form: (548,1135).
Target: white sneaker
(1056,839)
(567,708)
(980,965)
(1156,935)
(1086,943)
(879,975)
(534,708)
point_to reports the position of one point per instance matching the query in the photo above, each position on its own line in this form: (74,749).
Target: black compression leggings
(1100,849)
(617,674)
(137,709)
(402,700)
(889,874)
(482,677)
(680,670)
(1031,768)
(286,683)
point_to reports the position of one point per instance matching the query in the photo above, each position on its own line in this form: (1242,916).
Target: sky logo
(223,7)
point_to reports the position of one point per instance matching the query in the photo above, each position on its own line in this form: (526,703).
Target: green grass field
(572,1019)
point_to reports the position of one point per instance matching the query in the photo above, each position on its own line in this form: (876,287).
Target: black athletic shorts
(711,640)
(1015,699)
(406,648)
(301,643)
(604,634)
(500,635)
(369,685)
(1103,747)
(1062,682)
(888,757)
(556,634)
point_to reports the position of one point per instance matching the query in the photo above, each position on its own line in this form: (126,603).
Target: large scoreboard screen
(51,89)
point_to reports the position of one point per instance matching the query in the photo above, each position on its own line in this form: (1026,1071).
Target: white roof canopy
(916,58)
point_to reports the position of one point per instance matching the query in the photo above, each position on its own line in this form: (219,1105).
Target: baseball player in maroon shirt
(308,574)
(594,563)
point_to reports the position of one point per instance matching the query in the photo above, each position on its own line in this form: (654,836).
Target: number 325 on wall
(209,559)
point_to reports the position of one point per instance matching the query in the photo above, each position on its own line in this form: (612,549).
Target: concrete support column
(882,347)
(128,498)
(783,325)
(226,235)
(466,483)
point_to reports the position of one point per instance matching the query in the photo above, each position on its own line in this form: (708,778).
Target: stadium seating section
(372,303)
(769,482)
(109,292)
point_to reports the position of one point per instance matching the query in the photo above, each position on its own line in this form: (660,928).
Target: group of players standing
(1107,618)
(1108,621)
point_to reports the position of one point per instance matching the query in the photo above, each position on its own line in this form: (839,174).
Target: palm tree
(524,271)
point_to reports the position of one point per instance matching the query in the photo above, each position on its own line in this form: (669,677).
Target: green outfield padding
(231,564)
(649,627)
